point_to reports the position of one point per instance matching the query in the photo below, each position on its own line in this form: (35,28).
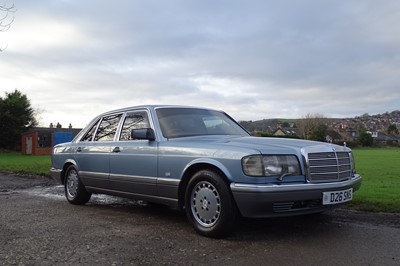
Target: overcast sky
(253,59)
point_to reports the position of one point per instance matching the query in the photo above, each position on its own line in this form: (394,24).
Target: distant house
(374,134)
(40,140)
(384,138)
(351,134)
(333,136)
(285,131)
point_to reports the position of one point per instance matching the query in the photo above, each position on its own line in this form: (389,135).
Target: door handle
(79,149)
(116,149)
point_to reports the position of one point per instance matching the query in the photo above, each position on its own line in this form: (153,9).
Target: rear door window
(134,120)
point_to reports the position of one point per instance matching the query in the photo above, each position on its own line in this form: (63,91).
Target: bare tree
(311,124)
(5,18)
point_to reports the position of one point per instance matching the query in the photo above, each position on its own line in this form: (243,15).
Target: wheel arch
(196,166)
(67,164)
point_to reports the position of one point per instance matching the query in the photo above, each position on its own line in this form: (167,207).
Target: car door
(93,152)
(133,162)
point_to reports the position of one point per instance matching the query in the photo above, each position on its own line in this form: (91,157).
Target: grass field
(379,167)
(27,164)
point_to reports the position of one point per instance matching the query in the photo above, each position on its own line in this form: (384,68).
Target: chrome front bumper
(259,200)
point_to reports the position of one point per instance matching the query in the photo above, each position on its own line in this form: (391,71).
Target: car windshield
(185,122)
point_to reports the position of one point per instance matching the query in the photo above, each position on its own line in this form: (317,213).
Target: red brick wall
(35,149)
(42,151)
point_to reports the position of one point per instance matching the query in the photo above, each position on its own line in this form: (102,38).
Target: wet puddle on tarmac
(57,193)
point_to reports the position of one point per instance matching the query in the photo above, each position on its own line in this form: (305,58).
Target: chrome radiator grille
(329,166)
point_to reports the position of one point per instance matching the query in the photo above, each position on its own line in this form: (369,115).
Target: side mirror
(143,133)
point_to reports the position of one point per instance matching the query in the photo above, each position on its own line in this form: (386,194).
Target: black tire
(75,191)
(209,205)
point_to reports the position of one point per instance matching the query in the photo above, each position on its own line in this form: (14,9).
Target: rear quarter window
(89,135)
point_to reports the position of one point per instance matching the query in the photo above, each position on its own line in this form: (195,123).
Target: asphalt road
(39,227)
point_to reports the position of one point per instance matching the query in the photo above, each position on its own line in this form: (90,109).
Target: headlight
(271,165)
(253,165)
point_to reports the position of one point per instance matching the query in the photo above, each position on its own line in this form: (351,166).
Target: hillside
(377,122)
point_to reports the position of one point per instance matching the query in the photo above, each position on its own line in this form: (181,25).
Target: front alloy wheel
(209,204)
(205,204)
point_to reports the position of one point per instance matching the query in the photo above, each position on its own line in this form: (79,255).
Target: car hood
(264,144)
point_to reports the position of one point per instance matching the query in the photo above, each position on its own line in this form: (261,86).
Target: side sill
(150,198)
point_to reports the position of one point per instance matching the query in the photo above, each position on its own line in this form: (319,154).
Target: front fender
(211,162)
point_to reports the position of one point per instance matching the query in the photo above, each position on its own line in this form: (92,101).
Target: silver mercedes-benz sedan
(204,162)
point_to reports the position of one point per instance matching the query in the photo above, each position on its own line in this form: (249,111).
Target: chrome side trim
(134,179)
(93,174)
(168,182)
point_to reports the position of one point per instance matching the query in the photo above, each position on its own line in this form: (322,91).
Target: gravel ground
(39,227)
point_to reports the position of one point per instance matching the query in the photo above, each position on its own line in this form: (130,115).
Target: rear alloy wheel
(75,191)
(209,204)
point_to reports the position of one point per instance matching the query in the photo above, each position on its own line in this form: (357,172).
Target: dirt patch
(346,214)
(12,181)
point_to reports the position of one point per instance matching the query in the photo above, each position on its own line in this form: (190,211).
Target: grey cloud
(285,58)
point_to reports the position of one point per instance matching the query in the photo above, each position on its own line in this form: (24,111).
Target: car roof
(153,107)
